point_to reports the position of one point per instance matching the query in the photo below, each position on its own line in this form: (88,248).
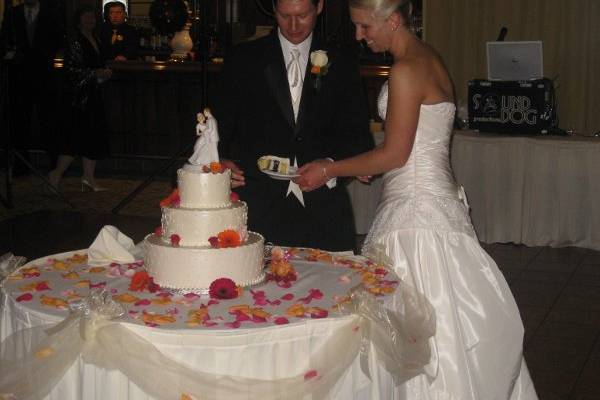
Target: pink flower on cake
(234,197)
(214,242)
(175,239)
(158,231)
(223,288)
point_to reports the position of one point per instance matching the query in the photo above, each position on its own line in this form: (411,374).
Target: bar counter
(151,105)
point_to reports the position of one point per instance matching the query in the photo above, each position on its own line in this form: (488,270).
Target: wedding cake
(203,234)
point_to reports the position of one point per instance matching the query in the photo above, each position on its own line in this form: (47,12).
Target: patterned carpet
(30,195)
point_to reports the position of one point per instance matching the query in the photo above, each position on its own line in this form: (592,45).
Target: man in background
(120,41)
(30,37)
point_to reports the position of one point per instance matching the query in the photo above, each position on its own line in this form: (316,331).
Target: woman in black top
(85,71)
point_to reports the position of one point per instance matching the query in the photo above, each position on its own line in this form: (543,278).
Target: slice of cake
(274,164)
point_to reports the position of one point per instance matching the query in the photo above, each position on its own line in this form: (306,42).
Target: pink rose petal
(143,302)
(233,325)
(25,297)
(310,374)
(319,314)
(287,297)
(257,319)
(281,321)
(42,286)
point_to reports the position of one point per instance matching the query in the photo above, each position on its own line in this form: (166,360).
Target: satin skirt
(477,348)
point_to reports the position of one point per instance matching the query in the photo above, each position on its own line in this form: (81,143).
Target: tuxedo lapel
(309,93)
(275,74)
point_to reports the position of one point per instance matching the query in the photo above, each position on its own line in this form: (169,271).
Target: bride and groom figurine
(205,148)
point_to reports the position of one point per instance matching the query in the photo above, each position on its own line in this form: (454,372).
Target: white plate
(279,176)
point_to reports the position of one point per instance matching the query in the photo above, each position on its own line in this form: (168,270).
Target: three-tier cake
(203,234)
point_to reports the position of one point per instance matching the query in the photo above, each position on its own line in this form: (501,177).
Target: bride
(422,221)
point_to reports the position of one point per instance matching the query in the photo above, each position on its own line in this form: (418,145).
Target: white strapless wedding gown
(422,222)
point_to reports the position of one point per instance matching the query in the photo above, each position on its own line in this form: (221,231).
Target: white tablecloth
(536,190)
(271,352)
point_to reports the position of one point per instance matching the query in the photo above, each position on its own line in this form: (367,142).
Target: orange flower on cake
(227,238)
(172,200)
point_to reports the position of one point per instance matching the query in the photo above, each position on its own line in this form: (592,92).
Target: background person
(120,41)
(88,134)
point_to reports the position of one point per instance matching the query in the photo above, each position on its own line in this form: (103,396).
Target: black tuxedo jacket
(33,60)
(128,43)
(254,111)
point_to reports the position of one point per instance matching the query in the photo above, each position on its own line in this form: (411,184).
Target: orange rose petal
(44,352)
(54,302)
(161,301)
(83,284)
(71,275)
(125,298)
(297,310)
(59,265)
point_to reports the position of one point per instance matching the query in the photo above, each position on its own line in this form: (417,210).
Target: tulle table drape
(360,353)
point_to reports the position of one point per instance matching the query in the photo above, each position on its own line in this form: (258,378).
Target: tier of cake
(195,225)
(198,189)
(185,267)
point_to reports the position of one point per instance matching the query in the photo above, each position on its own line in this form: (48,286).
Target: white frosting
(195,225)
(187,267)
(199,189)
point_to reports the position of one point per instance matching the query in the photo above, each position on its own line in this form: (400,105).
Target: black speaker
(512,107)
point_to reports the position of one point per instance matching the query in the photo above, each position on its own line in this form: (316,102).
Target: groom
(272,101)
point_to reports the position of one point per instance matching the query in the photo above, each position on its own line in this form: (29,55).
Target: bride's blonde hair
(384,8)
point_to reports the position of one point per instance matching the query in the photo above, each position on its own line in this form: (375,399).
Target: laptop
(515,61)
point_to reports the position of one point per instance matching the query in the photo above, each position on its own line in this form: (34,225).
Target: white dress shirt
(304,49)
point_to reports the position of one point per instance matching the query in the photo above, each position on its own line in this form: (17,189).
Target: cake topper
(205,148)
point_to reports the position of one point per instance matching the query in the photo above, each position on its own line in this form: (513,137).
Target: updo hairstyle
(384,8)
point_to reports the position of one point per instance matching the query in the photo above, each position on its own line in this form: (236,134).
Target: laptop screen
(515,61)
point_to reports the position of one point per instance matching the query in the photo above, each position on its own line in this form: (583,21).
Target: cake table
(272,332)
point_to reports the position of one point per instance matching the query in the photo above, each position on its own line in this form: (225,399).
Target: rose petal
(25,297)
(233,325)
(310,374)
(281,321)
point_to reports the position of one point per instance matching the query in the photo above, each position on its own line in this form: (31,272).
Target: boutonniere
(119,38)
(319,66)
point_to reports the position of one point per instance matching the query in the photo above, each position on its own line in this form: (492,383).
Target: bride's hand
(313,175)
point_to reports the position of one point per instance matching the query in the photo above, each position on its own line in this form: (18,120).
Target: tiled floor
(557,290)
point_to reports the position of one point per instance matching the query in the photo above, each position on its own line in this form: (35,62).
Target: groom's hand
(237,175)
(312,175)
